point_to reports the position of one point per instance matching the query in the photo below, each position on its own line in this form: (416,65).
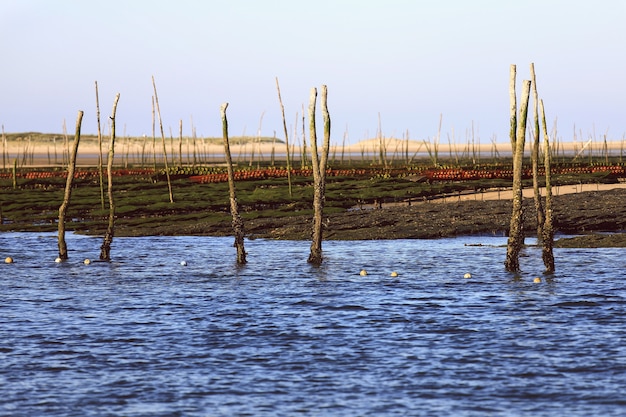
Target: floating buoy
(467,275)
(87,261)
(537,280)
(58,260)
(183,263)
(8,260)
(363,272)
(394,274)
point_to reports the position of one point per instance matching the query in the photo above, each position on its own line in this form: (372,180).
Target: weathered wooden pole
(548,230)
(516,233)
(14,170)
(105,249)
(238,227)
(513,103)
(167,170)
(68,189)
(100,162)
(319,173)
(535,157)
(282,110)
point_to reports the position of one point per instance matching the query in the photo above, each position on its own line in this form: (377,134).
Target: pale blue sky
(409,60)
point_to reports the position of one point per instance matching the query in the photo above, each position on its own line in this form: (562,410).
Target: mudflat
(599,216)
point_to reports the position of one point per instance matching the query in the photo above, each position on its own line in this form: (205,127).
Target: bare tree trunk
(319,173)
(516,233)
(167,170)
(68,189)
(535,158)
(105,249)
(282,109)
(238,227)
(548,231)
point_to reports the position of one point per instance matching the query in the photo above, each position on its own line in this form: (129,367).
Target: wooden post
(238,227)
(516,233)
(105,249)
(4,149)
(303,159)
(282,110)
(315,256)
(167,169)
(68,189)
(15,174)
(548,231)
(100,162)
(535,157)
(180,143)
(513,102)
(319,173)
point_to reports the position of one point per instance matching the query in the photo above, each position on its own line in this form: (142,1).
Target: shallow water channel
(145,335)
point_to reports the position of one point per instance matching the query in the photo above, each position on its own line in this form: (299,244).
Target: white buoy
(394,274)
(183,263)
(87,261)
(467,275)
(58,260)
(8,260)
(363,272)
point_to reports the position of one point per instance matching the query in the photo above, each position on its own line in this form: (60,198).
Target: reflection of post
(238,228)
(105,249)
(68,189)
(516,233)
(319,173)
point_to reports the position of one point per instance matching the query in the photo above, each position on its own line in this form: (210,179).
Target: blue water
(144,335)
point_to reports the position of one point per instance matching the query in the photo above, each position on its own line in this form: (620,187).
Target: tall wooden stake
(513,102)
(548,231)
(535,157)
(68,189)
(167,169)
(516,233)
(100,169)
(282,110)
(238,227)
(105,249)
(319,173)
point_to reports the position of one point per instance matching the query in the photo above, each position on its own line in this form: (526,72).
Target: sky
(403,65)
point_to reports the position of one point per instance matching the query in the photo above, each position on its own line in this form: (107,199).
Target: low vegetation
(201,195)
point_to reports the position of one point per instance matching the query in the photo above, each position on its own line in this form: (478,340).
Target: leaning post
(68,189)
(105,249)
(238,227)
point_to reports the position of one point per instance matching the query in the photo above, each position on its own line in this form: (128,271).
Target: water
(144,335)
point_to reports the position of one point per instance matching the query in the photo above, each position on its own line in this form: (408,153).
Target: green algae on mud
(351,212)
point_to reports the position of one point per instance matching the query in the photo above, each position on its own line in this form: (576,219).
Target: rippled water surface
(144,335)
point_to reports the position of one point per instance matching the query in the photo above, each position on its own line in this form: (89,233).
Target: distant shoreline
(43,151)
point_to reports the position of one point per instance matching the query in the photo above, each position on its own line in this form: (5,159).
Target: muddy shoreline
(600,216)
